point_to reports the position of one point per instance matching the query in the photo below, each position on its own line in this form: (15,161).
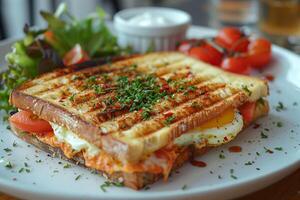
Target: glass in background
(233,13)
(279,20)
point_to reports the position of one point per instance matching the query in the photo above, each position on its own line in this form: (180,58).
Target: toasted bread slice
(62,98)
(134,180)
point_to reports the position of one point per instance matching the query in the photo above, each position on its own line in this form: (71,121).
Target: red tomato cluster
(231,50)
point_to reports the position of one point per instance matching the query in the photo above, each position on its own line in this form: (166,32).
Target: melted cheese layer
(215,132)
(64,135)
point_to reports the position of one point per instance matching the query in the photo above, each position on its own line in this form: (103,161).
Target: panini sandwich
(137,119)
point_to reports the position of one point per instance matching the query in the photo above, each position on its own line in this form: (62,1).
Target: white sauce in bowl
(149,20)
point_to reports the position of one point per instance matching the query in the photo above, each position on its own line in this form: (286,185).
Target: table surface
(286,189)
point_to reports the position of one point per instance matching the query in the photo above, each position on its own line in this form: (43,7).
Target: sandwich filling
(214,132)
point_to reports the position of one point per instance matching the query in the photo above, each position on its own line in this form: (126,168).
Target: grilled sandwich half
(138,119)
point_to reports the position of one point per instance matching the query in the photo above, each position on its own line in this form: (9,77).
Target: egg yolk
(225,118)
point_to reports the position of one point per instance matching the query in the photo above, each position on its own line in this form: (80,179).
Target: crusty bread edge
(138,180)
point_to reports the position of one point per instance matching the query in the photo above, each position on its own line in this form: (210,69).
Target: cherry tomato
(239,65)
(259,53)
(232,39)
(75,56)
(207,53)
(247,110)
(240,45)
(186,45)
(27,121)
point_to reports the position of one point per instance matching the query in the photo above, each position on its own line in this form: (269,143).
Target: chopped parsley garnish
(109,101)
(8,165)
(15,144)
(263,136)
(278,148)
(184,187)
(118,184)
(71,98)
(146,114)
(91,80)
(25,168)
(280,107)
(134,66)
(246,89)
(67,165)
(279,124)
(190,88)
(169,120)
(248,163)
(98,89)
(7,150)
(222,156)
(233,176)
(147,188)
(268,150)
(107,184)
(21,170)
(105,77)
(140,93)
(77,177)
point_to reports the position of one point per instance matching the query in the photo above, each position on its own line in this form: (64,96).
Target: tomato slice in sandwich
(29,122)
(247,110)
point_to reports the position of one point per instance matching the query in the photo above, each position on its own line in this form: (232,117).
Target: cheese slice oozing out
(217,131)
(64,135)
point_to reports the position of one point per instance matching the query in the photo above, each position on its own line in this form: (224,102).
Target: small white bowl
(159,37)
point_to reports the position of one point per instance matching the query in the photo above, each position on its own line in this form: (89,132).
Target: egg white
(213,136)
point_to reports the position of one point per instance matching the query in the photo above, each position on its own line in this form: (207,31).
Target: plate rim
(13,187)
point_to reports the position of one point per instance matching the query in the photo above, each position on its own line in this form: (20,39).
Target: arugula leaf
(91,33)
(21,67)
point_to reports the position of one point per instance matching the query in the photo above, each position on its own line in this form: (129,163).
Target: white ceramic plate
(235,175)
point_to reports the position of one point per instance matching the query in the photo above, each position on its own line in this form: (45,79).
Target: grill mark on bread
(182,110)
(84,121)
(126,121)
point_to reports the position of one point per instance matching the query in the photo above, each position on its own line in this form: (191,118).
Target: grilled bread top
(134,107)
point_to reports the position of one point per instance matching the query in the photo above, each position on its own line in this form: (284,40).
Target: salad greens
(43,49)
(91,33)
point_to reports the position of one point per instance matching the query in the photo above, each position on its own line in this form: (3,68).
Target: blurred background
(279,20)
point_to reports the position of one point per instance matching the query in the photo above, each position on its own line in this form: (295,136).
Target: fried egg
(214,132)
